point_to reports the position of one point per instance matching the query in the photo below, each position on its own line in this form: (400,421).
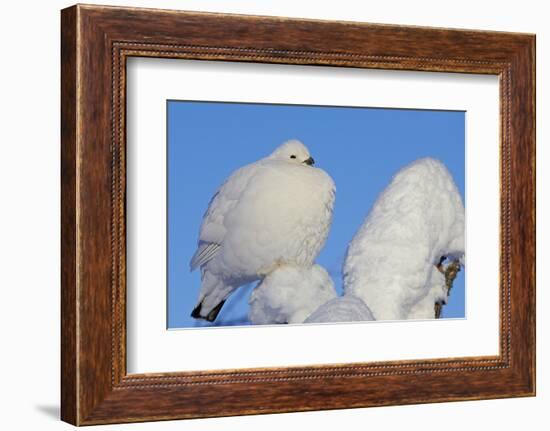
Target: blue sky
(361,148)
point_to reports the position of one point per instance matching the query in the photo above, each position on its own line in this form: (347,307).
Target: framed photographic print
(407,135)
(280,207)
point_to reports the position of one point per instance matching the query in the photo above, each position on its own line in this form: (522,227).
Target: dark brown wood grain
(95,43)
(68,217)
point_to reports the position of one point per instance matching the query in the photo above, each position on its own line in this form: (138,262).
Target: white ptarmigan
(391,263)
(273,212)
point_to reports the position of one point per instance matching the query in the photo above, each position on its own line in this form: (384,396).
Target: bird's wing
(213,228)
(205,252)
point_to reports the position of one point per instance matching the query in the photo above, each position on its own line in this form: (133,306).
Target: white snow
(390,263)
(289,294)
(348,308)
(275,211)
(435,292)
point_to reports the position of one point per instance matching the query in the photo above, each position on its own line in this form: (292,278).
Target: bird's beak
(309,161)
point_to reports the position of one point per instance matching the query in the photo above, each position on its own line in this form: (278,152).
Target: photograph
(306,214)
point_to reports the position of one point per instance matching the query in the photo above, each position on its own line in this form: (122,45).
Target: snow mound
(289,294)
(347,308)
(390,263)
(435,292)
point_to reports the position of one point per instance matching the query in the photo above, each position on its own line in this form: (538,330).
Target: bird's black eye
(293,156)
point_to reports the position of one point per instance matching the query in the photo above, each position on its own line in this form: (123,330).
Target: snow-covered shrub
(390,263)
(289,294)
(348,308)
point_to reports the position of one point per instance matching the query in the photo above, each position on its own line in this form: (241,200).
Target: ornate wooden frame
(95,43)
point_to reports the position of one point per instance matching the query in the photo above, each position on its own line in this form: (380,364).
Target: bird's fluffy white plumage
(289,294)
(275,211)
(347,308)
(390,263)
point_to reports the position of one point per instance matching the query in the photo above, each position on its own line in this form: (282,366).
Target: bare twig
(450,273)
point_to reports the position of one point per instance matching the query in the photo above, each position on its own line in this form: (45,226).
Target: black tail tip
(196,313)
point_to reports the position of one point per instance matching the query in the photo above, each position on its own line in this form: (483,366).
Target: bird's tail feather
(212,296)
(212,314)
